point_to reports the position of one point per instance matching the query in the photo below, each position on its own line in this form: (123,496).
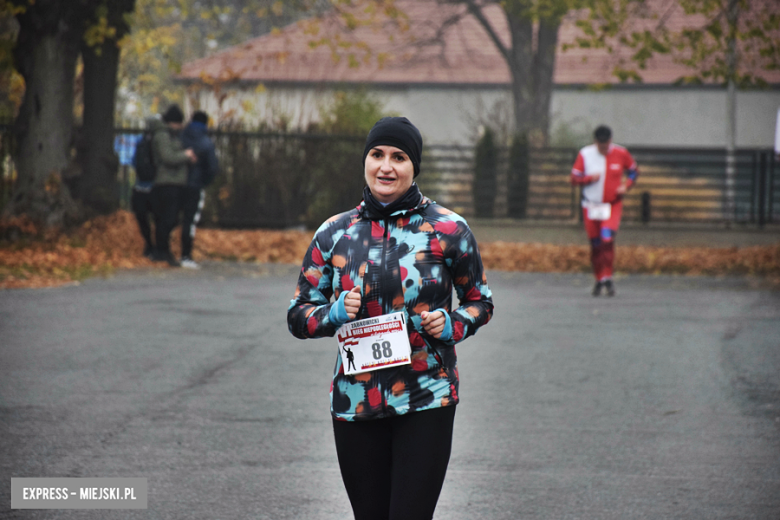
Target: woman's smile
(389,172)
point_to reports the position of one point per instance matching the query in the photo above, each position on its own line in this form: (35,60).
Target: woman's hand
(433,323)
(352,302)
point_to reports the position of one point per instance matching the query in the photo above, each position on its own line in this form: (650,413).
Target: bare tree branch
(476,10)
(438,38)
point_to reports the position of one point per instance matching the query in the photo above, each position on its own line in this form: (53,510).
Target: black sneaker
(597,289)
(158,256)
(610,287)
(165,257)
(172,261)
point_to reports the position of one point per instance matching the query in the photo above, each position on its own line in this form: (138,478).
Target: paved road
(631,233)
(661,403)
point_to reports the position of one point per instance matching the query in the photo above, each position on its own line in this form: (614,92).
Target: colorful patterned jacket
(406,262)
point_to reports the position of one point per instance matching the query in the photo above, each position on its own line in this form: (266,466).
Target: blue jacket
(202,173)
(407,262)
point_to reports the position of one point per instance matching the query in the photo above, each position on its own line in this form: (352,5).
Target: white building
(451,88)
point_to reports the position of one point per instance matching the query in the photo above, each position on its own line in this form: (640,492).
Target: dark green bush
(336,166)
(262,181)
(279,179)
(517,177)
(485,174)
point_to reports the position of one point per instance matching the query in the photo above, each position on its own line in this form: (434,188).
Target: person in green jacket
(171,161)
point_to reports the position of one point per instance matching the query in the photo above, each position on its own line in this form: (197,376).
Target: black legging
(394,468)
(141,203)
(166,200)
(192,206)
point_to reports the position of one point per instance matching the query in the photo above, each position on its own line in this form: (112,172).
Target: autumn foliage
(31,258)
(34,259)
(757,260)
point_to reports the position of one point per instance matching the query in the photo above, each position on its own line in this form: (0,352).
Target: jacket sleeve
(308,313)
(578,177)
(169,150)
(211,163)
(468,275)
(632,172)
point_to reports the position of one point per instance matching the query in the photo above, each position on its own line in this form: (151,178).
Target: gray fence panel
(276,180)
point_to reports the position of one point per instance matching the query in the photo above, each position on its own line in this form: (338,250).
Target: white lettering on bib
(598,211)
(374,343)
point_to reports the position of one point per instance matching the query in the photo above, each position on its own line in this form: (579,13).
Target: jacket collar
(411,201)
(194,128)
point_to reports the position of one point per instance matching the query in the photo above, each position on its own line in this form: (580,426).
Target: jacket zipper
(436,354)
(384,284)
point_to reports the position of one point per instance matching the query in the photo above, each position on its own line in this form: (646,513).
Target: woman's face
(389,172)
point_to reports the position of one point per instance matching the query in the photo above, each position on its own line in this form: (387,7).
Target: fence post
(575,201)
(485,172)
(762,175)
(771,186)
(518,176)
(755,181)
(645,207)
(123,191)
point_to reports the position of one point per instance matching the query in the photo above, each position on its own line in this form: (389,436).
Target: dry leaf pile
(97,247)
(757,261)
(263,246)
(111,242)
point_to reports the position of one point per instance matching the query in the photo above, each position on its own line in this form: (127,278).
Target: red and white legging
(602,241)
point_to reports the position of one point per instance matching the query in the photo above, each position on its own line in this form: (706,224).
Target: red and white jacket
(609,168)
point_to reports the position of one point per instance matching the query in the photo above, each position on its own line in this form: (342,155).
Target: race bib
(374,343)
(598,211)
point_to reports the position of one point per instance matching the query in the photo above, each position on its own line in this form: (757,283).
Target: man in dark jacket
(200,174)
(141,201)
(171,160)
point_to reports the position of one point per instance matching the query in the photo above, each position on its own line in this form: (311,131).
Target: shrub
(335,165)
(518,176)
(485,173)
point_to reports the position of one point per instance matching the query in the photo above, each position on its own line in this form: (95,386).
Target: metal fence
(7,169)
(273,180)
(674,185)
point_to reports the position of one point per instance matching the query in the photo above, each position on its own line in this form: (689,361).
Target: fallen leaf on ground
(30,259)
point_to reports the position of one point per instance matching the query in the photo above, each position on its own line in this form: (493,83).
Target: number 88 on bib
(374,343)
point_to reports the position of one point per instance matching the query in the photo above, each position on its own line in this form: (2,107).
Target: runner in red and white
(606,171)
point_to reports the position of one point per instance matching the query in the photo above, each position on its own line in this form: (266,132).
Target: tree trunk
(532,63)
(544,67)
(520,66)
(732,16)
(97,187)
(44,125)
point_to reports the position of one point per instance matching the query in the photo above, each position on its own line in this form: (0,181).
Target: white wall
(668,117)
(444,116)
(638,116)
(252,106)
(451,116)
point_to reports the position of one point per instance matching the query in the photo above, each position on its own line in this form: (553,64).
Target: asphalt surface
(663,402)
(631,233)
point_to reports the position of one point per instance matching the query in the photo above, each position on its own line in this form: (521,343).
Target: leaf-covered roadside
(761,261)
(106,243)
(112,242)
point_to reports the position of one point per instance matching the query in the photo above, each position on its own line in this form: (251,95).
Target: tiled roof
(465,55)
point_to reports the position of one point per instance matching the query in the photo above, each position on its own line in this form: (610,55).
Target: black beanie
(173,115)
(201,117)
(398,132)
